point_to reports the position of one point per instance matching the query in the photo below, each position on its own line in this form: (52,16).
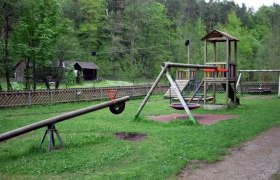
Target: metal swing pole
(279,85)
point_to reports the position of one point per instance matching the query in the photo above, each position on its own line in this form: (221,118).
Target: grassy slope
(92,151)
(85,84)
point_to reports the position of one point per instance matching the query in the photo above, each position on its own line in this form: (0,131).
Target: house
(88,70)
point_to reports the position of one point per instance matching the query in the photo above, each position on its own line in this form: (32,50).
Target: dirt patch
(258,159)
(205,119)
(130,136)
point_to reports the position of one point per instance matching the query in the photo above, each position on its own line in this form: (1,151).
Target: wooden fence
(246,88)
(23,98)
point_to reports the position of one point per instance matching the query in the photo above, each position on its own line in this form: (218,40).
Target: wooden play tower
(225,73)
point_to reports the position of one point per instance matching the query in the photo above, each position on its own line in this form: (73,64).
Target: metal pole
(279,86)
(238,81)
(151,90)
(178,93)
(59,118)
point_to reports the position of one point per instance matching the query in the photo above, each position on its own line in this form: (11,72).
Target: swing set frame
(165,70)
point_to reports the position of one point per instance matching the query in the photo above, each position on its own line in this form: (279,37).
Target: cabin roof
(87,65)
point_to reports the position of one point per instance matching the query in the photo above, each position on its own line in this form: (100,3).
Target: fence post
(101,94)
(29,98)
(279,85)
(51,96)
(133,91)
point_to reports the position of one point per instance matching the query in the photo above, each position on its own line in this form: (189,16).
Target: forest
(129,38)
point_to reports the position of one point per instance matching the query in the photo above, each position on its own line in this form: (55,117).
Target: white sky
(253,3)
(257,3)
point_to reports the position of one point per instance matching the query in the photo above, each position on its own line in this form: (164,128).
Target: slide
(181,85)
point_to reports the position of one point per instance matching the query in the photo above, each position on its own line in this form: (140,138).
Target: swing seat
(179,106)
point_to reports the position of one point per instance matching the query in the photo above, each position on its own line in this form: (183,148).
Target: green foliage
(132,38)
(269,49)
(247,45)
(93,151)
(70,78)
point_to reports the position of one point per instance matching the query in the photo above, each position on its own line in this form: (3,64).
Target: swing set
(183,105)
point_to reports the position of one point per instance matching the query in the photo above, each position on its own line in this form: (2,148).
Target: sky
(256,3)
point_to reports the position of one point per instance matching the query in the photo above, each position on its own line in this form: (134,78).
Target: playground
(92,149)
(145,137)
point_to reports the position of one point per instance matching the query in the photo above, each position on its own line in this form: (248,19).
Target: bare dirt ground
(258,159)
(205,119)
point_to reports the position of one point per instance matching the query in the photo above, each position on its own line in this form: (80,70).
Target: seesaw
(116,107)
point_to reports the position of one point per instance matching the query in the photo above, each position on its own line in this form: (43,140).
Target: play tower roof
(218,36)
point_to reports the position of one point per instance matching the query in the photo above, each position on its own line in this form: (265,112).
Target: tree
(36,34)
(153,38)
(268,55)
(8,18)
(67,48)
(193,31)
(248,44)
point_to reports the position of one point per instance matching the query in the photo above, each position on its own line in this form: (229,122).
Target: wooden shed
(88,70)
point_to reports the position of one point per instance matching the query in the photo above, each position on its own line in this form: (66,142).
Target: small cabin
(87,69)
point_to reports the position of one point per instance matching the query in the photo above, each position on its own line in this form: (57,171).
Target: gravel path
(255,160)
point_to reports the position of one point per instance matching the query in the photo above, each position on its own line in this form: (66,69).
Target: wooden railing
(23,98)
(245,87)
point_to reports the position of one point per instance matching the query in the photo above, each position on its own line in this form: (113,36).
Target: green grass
(84,84)
(93,152)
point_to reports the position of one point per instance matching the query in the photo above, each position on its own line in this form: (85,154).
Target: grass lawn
(84,84)
(93,152)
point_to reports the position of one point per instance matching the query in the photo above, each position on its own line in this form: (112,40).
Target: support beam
(180,97)
(197,89)
(151,90)
(279,86)
(180,65)
(238,81)
(259,70)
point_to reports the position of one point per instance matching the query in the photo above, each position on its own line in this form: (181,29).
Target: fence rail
(23,98)
(245,87)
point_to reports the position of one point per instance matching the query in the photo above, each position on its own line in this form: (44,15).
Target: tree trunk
(47,83)
(27,75)
(34,74)
(59,74)
(6,32)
